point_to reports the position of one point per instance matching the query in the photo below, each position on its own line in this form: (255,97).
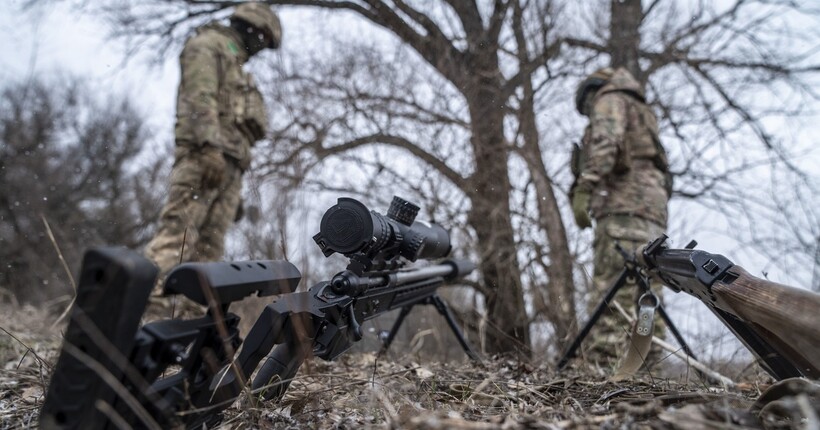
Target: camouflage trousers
(195,219)
(608,337)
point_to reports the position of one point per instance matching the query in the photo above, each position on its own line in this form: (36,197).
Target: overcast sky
(44,41)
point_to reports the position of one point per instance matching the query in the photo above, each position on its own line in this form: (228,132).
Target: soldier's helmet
(593,83)
(263,18)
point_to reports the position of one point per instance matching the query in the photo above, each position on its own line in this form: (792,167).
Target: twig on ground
(28,349)
(65,267)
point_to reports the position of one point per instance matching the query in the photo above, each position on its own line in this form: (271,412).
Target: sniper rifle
(112,372)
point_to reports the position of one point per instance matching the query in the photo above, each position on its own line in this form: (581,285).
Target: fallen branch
(65,267)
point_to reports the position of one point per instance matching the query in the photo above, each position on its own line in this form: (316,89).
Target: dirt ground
(363,390)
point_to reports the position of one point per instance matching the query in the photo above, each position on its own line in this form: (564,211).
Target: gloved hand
(580,207)
(213,166)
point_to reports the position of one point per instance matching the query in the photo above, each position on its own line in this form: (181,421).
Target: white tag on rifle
(646,314)
(641,338)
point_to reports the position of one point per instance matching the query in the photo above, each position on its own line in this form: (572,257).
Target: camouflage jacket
(623,163)
(218,103)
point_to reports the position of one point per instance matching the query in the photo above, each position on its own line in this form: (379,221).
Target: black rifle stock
(170,373)
(779,324)
(110,369)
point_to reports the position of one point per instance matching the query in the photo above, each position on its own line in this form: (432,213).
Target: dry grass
(27,351)
(366,391)
(363,391)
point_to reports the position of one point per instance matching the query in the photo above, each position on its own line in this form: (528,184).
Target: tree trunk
(507,321)
(625,36)
(560,286)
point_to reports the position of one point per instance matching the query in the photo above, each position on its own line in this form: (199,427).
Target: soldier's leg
(610,329)
(182,216)
(179,230)
(220,217)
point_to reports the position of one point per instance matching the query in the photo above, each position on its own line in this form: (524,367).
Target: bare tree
(479,93)
(370,120)
(66,170)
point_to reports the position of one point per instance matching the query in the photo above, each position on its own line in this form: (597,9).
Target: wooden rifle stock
(785,317)
(779,324)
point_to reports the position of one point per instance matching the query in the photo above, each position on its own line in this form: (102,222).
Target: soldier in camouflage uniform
(220,115)
(622,182)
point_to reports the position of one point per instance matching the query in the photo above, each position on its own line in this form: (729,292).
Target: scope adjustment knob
(402,211)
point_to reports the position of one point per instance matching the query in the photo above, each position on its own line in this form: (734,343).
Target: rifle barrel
(449,270)
(443,270)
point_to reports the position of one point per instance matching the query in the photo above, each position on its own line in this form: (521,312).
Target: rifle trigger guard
(646,313)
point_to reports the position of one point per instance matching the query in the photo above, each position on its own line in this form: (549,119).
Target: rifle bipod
(630,271)
(444,310)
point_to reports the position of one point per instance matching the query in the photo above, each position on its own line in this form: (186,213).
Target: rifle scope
(349,228)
